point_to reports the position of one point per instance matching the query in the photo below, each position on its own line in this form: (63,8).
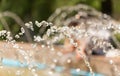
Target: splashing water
(49,39)
(45,53)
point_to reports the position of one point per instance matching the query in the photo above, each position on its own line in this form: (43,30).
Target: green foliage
(1,26)
(20,7)
(117,36)
(40,9)
(94,3)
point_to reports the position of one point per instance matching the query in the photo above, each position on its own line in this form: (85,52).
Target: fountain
(44,55)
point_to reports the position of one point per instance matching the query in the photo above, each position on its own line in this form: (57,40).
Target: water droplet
(37,38)
(68,60)
(111,61)
(33,70)
(16,46)
(38,24)
(42,46)
(55,60)
(17,36)
(50,72)
(52,49)
(77,70)
(22,30)
(19,73)
(29,25)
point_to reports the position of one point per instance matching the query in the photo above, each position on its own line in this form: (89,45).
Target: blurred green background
(30,10)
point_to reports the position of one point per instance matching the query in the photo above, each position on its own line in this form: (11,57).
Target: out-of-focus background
(31,10)
(42,9)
